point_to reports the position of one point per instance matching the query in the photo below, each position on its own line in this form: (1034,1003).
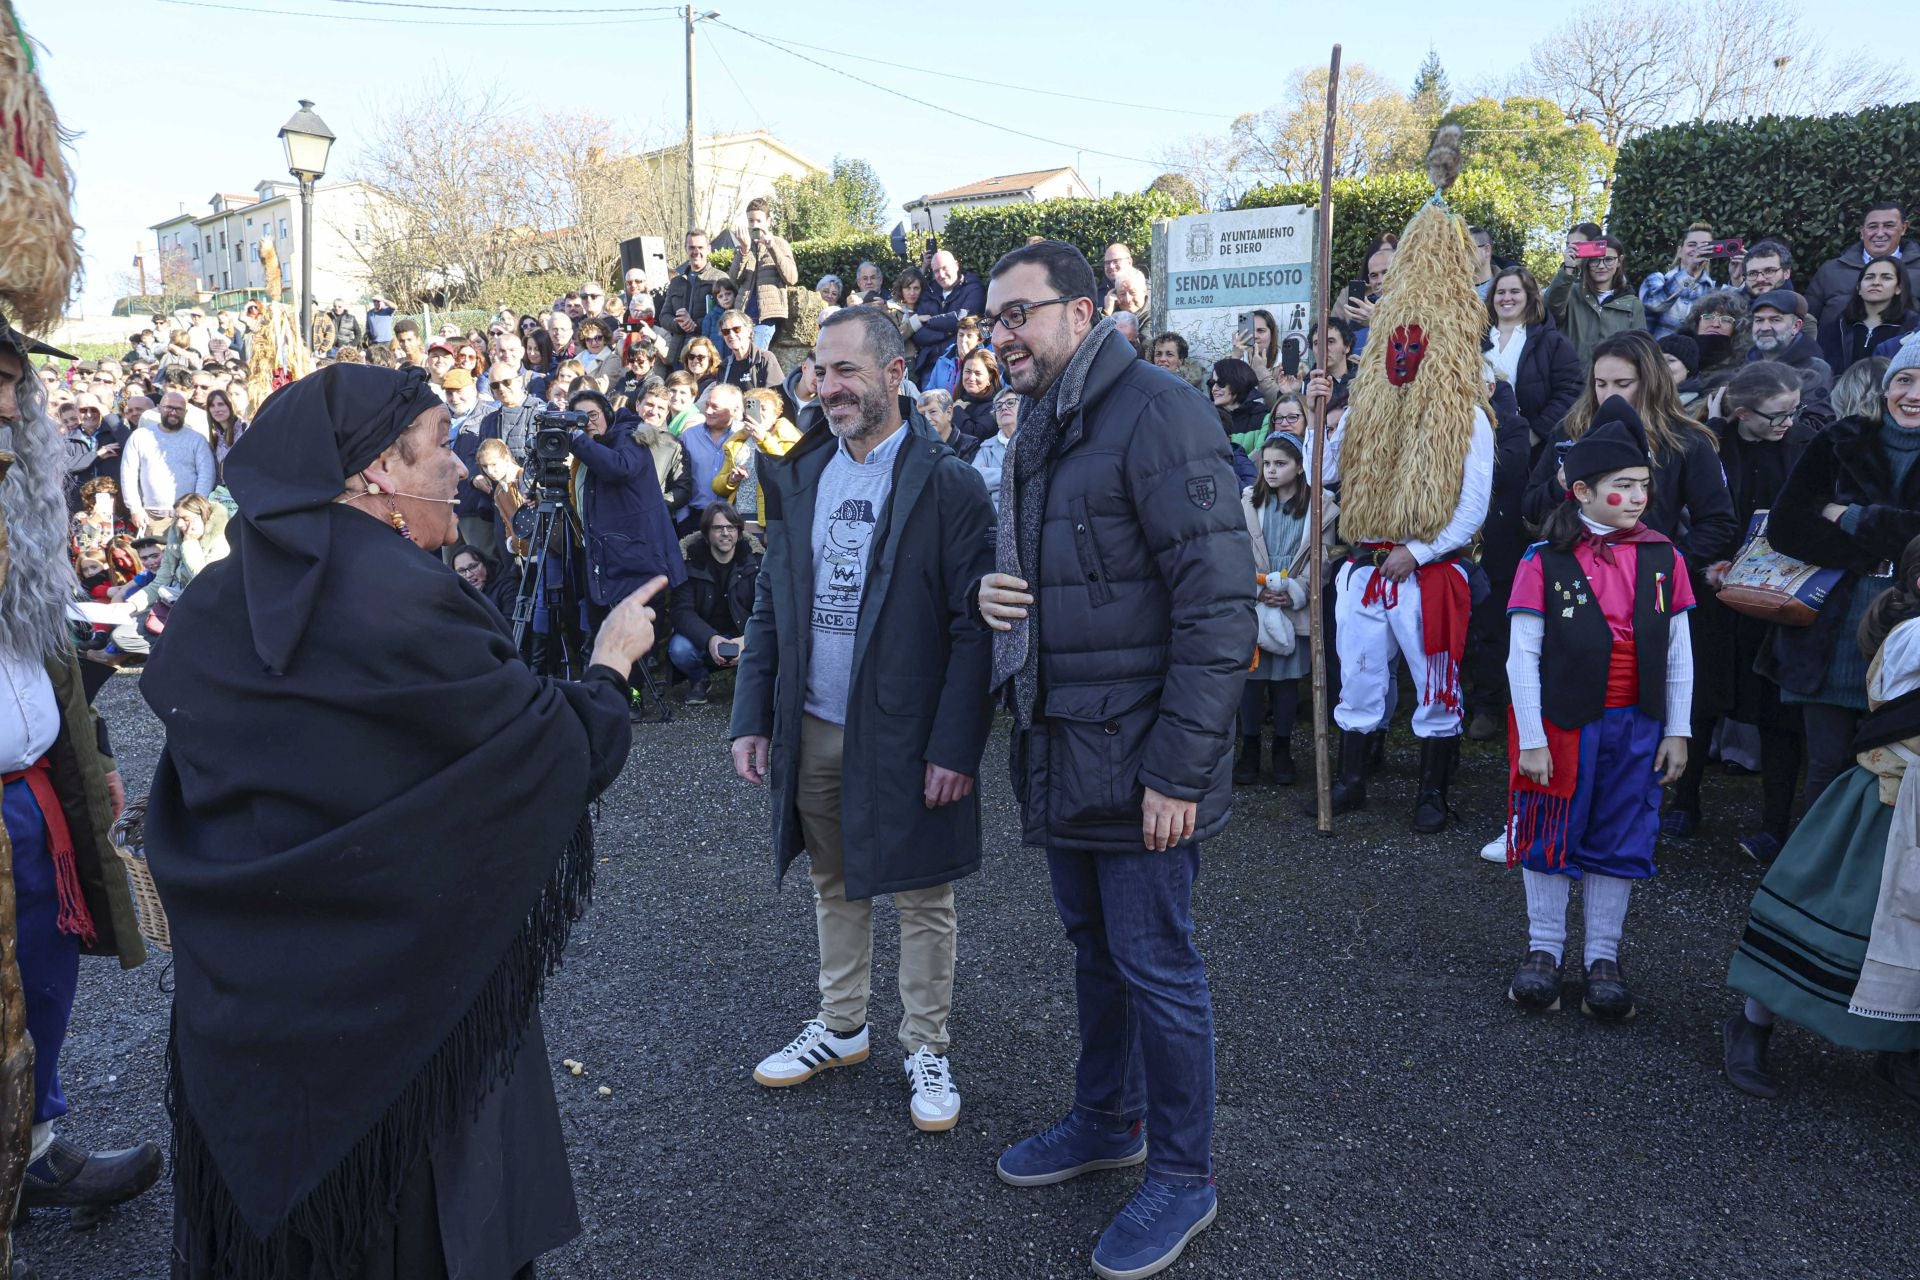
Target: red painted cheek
(1614,499)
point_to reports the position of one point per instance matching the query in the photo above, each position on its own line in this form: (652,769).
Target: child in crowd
(1277,509)
(1601,667)
(1833,937)
(724,292)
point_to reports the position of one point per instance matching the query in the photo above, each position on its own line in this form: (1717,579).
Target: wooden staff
(1316,525)
(16,1047)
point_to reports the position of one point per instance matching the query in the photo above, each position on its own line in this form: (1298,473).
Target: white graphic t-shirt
(846,512)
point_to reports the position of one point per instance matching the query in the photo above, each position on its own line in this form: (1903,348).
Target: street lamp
(307,140)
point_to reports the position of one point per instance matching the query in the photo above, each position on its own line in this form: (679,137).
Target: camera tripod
(548,586)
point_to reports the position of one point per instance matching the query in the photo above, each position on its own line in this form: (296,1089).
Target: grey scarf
(1023,505)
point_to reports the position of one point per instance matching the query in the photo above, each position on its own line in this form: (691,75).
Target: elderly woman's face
(422,474)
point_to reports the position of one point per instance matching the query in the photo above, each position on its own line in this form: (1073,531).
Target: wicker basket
(129,842)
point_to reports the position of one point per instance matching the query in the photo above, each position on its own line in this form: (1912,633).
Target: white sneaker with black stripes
(935,1106)
(811,1052)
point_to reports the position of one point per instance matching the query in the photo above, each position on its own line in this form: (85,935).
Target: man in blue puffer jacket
(1125,606)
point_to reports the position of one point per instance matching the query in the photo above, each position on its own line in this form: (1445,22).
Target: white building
(930,212)
(222,247)
(732,168)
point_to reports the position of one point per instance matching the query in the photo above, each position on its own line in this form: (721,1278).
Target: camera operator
(473,421)
(690,294)
(710,612)
(629,536)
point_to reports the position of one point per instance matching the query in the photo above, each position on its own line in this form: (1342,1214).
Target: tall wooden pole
(1316,523)
(693,166)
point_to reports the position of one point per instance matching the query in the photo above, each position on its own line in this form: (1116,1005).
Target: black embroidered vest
(1578,646)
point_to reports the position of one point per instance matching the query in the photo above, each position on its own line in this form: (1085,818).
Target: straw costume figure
(1418,472)
(278,356)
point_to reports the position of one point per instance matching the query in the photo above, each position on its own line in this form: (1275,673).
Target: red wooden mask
(1406,348)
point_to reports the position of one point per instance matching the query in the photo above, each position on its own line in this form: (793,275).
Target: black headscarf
(369,829)
(287,469)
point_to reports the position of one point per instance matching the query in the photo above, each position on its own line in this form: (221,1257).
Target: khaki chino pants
(928,929)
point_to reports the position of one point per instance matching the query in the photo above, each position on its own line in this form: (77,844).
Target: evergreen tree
(1432,93)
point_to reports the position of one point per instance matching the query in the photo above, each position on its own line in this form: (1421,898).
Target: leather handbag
(1772,586)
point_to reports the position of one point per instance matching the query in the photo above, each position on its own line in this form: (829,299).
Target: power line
(1021,88)
(1024,89)
(490,8)
(467,23)
(744,95)
(934,106)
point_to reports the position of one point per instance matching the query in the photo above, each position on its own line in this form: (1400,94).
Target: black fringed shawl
(370,860)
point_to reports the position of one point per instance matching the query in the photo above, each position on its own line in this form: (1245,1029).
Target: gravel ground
(1383,1111)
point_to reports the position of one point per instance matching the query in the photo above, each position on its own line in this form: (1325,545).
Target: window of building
(249,224)
(196,251)
(283,228)
(253,251)
(226,280)
(239,252)
(360,235)
(223,239)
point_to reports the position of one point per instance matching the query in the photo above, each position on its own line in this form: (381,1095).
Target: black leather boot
(1246,769)
(1350,786)
(1284,773)
(88,1182)
(1437,756)
(1744,1058)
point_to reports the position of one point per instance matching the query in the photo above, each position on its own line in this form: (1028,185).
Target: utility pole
(140,265)
(693,168)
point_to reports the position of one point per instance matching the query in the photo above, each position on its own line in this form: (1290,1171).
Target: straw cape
(1405,445)
(39,256)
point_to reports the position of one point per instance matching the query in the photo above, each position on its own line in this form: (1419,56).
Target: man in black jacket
(1125,606)
(865,678)
(1883,231)
(711,609)
(689,294)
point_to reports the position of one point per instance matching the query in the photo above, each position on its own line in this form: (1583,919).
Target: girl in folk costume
(1417,472)
(1601,665)
(1276,507)
(1833,937)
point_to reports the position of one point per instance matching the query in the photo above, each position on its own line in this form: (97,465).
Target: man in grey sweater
(163,464)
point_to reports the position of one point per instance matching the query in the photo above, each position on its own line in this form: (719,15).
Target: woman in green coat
(1591,298)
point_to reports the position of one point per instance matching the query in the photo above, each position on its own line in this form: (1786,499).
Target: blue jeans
(49,959)
(1146,1016)
(687,658)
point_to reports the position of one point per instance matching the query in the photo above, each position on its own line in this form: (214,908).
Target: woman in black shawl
(370,832)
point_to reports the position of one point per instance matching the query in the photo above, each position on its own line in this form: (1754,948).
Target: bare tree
(1616,66)
(1757,58)
(1379,130)
(1630,67)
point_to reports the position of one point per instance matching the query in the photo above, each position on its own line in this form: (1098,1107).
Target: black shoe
(1536,987)
(1377,750)
(699,693)
(1900,1073)
(1284,774)
(1486,729)
(1350,785)
(1246,769)
(1744,1056)
(69,1178)
(1607,997)
(1436,773)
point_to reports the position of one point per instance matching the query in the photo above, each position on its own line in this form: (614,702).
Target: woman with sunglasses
(701,359)
(599,358)
(1762,432)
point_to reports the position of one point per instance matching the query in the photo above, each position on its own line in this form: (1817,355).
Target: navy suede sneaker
(1151,1231)
(1070,1148)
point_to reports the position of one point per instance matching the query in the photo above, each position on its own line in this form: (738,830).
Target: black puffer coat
(1146,614)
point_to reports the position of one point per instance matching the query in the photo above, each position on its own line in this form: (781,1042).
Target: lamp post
(307,140)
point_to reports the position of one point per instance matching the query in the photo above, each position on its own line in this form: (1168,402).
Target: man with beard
(690,293)
(862,693)
(1778,334)
(163,464)
(62,793)
(1124,603)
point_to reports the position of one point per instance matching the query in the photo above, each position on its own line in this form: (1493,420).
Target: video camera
(550,446)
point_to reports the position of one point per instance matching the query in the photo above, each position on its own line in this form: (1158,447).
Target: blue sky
(176,101)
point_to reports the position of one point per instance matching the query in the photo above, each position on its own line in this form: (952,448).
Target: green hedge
(1807,180)
(979,236)
(842,256)
(1366,208)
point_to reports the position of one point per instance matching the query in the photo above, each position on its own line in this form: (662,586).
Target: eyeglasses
(1291,419)
(1014,315)
(733,331)
(1774,419)
(720,526)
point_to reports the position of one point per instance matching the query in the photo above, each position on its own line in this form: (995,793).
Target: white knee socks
(1546,912)
(1605,903)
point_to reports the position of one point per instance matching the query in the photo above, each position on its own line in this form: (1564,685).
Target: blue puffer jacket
(1146,613)
(630,536)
